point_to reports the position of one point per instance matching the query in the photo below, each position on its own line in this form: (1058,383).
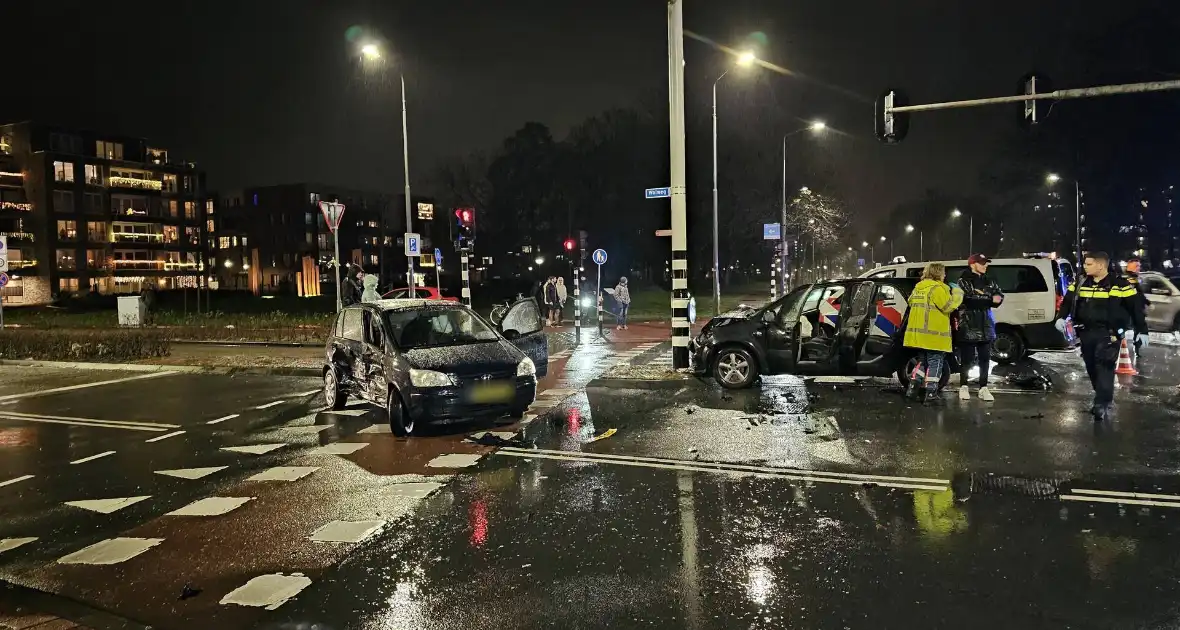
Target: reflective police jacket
(1110,304)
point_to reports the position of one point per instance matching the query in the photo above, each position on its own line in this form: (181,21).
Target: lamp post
(956,213)
(815,127)
(744,59)
(921,241)
(372,52)
(1053,178)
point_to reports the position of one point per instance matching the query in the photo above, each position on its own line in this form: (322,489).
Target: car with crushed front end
(435,362)
(851,327)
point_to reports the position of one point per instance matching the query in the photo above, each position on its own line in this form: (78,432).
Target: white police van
(1033,287)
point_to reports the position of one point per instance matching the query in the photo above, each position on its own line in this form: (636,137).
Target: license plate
(496,392)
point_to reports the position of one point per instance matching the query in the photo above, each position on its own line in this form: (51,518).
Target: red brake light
(1060,299)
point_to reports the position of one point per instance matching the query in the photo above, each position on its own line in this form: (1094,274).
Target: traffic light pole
(465,275)
(773,278)
(681,329)
(577,302)
(406,166)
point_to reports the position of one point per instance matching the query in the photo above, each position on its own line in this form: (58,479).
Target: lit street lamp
(1053,178)
(372,52)
(815,127)
(744,59)
(956,213)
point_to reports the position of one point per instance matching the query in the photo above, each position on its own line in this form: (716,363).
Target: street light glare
(882,239)
(746,58)
(864,244)
(1052,178)
(371,51)
(909,228)
(819,125)
(956,213)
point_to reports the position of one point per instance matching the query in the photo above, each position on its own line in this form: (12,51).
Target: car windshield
(435,327)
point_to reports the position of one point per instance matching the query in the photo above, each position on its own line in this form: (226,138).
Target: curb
(147,368)
(635,383)
(258,344)
(65,609)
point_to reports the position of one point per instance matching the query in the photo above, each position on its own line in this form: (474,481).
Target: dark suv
(839,327)
(435,361)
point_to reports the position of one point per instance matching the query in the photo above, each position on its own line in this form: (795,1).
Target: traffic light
(465,220)
(569,244)
(891,127)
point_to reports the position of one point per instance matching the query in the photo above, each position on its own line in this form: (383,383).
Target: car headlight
(430,378)
(586,302)
(526,368)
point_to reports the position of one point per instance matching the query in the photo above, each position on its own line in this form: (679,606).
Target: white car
(1033,291)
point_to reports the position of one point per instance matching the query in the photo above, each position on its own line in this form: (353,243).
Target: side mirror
(769,317)
(511,334)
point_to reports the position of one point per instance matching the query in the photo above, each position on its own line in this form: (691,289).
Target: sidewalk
(638,332)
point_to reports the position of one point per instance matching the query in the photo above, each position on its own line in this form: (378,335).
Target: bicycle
(500,310)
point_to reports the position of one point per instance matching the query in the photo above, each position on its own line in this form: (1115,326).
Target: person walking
(562,295)
(1104,306)
(976,327)
(551,300)
(623,299)
(928,330)
(1134,266)
(370,293)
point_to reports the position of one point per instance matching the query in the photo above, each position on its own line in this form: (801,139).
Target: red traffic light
(569,244)
(466,215)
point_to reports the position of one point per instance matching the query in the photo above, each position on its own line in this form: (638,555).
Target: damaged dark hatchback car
(433,362)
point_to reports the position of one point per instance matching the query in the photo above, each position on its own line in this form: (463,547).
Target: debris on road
(189,591)
(603,435)
(491,438)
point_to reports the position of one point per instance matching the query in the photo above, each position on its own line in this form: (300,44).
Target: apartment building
(89,211)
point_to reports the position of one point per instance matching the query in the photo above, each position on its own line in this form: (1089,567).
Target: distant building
(274,239)
(83,209)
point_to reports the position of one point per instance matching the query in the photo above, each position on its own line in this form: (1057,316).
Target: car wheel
(334,395)
(734,368)
(400,421)
(1008,346)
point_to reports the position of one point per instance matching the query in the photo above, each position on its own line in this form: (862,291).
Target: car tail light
(1057,304)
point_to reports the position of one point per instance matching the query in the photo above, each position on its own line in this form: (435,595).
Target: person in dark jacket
(976,328)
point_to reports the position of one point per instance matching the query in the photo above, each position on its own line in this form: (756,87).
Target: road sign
(663,232)
(3,255)
(413,244)
(657,193)
(772,231)
(599,257)
(438,256)
(3,280)
(333,212)
(860,262)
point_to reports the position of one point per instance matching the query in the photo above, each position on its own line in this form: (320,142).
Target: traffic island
(626,376)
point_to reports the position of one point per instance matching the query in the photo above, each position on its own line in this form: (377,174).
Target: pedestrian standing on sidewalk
(976,329)
(562,295)
(370,293)
(1104,307)
(623,299)
(928,330)
(551,300)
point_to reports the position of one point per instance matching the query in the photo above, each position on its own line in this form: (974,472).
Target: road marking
(91,458)
(270,404)
(18,479)
(1130,495)
(211,506)
(70,388)
(253,449)
(740,467)
(111,551)
(284,473)
(8,544)
(454,460)
(106,506)
(96,422)
(1119,500)
(224,418)
(268,591)
(376,428)
(309,393)
(346,531)
(165,436)
(764,473)
(191,473)
(340,448)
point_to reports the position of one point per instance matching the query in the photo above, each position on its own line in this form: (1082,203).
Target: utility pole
(406,174)
(1077,191)
(716,245)
(783,221)
(681,329)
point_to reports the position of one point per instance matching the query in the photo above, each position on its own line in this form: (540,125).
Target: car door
(881,349)
(1158,292)
(524,326)
(854,326)
(373,357)
(348,348)
(780,331)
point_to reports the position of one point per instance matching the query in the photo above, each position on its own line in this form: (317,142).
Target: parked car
(838,327)
(1033,289)
(435,362)
(421,293)
(1163,302)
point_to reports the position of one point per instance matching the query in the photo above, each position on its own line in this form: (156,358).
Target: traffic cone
(1125,366)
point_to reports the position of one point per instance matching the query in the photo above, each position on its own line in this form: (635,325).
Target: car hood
(741,313)
(477,358)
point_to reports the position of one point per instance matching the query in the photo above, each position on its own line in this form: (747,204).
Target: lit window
(243,241)
(171,234)
(313,197)
(95,259)
(209,225)
(109,150)
(96,232)
(67,230)
(93,176)
(67,285)
(209,206)
(66,260)
(172,208)
(223,242)
(190,210)
(63,171)
(168,182)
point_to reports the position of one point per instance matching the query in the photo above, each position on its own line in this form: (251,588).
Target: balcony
(138,184)
(140,238)
(11,174)
(18,236)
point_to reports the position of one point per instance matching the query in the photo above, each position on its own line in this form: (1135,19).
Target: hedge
(82,345)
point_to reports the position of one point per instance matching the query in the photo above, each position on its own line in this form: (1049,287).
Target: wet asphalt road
(796,504)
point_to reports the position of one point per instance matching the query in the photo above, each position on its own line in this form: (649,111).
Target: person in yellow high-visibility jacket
(928,329)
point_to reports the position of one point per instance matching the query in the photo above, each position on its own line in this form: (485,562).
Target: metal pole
(921,245)
(783,219)
(716,246)
(437,278)
(681,328)
(336,244)
(773,278)
(970,235)
(577,303)
(406,174)
(465,275)
(1077,190)
(1104,90)
(598,299)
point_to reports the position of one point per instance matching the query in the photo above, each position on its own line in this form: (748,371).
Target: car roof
(411,303)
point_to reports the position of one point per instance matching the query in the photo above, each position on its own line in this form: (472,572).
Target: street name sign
(657,193)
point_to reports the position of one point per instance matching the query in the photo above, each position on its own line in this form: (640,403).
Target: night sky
(261,92)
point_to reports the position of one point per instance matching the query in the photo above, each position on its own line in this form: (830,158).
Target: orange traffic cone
(1125,366)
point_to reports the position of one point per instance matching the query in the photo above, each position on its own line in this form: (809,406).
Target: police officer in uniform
(1106,307)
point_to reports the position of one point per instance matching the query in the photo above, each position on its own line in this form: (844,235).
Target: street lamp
(744,59)
(372,52)
(956,213)
(921,241)
(1053,178)
(815,127)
